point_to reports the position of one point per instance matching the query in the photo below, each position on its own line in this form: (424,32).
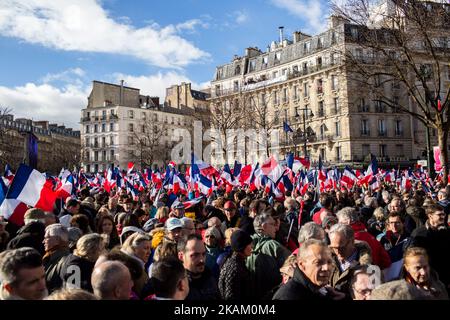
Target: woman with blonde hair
(162,214)
(138,246)
(77,267)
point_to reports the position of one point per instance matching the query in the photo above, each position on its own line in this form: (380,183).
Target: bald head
(111,280)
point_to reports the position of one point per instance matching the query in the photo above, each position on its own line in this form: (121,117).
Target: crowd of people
(235,245)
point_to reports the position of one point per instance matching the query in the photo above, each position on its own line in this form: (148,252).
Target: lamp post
(305,134)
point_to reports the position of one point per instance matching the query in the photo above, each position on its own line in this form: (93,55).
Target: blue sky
(52,50)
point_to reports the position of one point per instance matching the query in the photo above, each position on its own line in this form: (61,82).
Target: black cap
(240,240)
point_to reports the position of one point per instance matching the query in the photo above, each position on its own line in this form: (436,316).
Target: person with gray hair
(347,255)
(349,216)
(111,280)
(22,275)
(56,244)
(311,230)
(311,276)
(269,253)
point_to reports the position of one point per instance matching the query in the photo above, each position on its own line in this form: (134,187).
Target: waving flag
(8,175)
(30,187)
(286,127)
(349,178)
(272,169)
(204,185)
(67,188)
(228,176)
(193,202)
(237,169)
(203,167)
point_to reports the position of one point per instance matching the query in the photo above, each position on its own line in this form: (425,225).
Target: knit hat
(240,240)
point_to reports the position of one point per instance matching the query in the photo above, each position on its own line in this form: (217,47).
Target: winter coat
(247,225)
(53,264)
(437,244)
(212,254)
(203,288)
(234,223)
(299,287)
(379,256)
(395,247)
(437,290)
(234,279)
(264,264)
(76,272)
(340,280)
(30,235)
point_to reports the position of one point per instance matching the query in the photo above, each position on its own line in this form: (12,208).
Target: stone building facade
(304,82)
(58,146)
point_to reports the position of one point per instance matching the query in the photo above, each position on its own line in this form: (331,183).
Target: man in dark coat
(434,237)
(311,275)
(30,235)
(202,284)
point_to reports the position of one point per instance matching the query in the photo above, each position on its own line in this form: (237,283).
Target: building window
(86,141)
(319,86)
(130,127)
(377,80)
(95,128)
(103,127)
(103,114)
(379,106)
(285,95)
(365,149)
(95,155)
(236,86)
(277,57)
(88,156)
(237,70)
(252,65)
(143,129)
(305,90)
(111,140)
(383,150)
(274,74)
(130,140)
(319,42)
(104,155)
(336,105)
(275,97)
(112,112)
(265,61)
(87,129)
(95,142)
(295,90)
(321,110)
(334,82)
(111,127)
(381,127)
(111,158)
(398,128)
(322,154)
(131,114)
(305,67)
(338,128)
(365,127)
(306,47)
(322,132)
(400,151)
(338,154)
(103,141)
(319,63)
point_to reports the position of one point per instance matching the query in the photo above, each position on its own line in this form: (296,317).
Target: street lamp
(305,133)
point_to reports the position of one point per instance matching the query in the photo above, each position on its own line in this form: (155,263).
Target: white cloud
(87,27)
(241,17)
(46,102)
(310,11)
(68,76)
(156,84)
(190,25)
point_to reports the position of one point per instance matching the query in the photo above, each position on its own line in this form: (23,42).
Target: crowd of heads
(241,244)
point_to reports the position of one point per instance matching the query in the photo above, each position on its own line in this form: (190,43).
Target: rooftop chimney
(281,34)
(121,93)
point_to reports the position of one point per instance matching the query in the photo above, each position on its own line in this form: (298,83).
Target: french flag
(8,175)
(247,174)
(227,175)
(237,169)
(30,187)
(204,185)
(130,167)
(203,167)
(349,178)
(272,169)
(193,202)
(179,184)
(67,188)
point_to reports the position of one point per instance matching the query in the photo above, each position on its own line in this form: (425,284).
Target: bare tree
(404,44)
(10,147)
(149,140)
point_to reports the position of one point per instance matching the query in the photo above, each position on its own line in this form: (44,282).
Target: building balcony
(382,133)
(364,108)
(364,132)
